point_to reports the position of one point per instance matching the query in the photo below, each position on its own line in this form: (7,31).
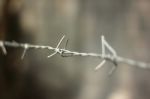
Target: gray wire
(67,53)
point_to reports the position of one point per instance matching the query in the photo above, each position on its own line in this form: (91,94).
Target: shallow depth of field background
(124,23)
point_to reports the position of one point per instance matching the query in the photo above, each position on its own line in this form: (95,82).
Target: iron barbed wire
(114,58)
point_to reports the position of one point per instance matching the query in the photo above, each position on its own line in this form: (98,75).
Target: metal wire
(114,58)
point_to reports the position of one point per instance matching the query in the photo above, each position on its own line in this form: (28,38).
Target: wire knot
(57,49)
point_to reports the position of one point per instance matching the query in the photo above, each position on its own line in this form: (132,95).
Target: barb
(57,50)
(113,57)
(100,65)
(25,50)
(66,44)
(3,48)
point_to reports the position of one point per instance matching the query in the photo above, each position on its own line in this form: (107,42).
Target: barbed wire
(113,57)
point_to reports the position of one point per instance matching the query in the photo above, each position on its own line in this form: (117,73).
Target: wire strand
(68,53)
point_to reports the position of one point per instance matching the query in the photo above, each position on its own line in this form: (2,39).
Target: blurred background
(124,23)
